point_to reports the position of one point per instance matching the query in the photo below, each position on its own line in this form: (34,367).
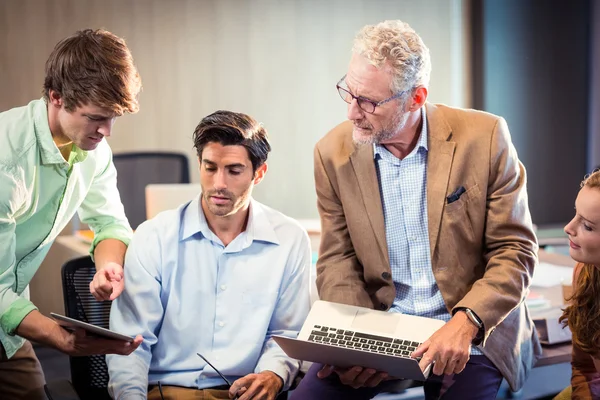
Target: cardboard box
(549,330)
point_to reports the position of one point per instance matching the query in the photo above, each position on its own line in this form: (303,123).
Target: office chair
(136,170)
(89,375)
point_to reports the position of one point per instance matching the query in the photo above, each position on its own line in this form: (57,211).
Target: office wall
(275,60)
(532,67)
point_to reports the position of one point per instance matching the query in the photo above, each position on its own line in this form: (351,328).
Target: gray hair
(395,45)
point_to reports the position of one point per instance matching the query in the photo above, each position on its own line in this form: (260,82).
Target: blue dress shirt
(186,293)
(403,189)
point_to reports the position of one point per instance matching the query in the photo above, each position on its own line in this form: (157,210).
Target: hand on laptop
(449,347)
(356,376)
(262,386)
(78,343)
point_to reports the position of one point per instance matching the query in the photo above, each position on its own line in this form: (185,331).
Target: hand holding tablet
(96,340)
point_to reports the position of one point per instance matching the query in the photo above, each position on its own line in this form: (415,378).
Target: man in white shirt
(218,276)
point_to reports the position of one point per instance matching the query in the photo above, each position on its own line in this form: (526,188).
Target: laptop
(345,336)
(162,197)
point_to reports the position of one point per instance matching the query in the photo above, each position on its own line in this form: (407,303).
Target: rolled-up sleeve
(13,307)
(102,209)
(289,315)
(137,311)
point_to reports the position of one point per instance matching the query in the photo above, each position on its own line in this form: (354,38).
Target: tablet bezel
(93,329)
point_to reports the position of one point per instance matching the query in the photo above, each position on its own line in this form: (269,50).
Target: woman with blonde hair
(583,312)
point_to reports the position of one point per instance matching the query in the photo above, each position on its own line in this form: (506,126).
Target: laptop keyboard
(362,341)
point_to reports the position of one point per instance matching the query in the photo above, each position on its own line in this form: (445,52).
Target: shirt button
(221,324)
(383,306)
(386,275)
(223,287)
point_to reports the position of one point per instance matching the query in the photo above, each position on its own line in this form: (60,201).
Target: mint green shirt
(39,194)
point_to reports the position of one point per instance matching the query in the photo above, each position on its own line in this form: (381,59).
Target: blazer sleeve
(510,245)
(339,273)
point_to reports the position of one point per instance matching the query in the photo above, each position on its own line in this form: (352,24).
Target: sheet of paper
(547,275)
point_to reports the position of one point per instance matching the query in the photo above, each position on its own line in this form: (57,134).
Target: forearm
(109,250)
(38,328)
(467,326)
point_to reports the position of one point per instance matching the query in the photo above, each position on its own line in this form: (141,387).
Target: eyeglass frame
(357,98)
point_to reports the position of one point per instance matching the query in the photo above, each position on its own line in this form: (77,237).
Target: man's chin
(219,211)
(362,136)
(88,146)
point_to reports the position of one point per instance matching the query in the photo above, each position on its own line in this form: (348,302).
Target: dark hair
(93,67)
(233,129)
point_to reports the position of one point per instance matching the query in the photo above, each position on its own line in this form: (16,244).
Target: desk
(555,354)
(558,353)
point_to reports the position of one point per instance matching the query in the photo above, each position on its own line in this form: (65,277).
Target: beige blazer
(483,249)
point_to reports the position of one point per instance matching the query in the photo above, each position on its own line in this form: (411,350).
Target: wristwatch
(476,321)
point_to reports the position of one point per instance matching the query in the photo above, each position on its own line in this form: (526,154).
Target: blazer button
(386,275)
(383,306)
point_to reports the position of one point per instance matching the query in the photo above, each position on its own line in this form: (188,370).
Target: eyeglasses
(218,372)
(367,105)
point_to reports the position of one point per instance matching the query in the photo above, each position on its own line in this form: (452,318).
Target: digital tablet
(71,323)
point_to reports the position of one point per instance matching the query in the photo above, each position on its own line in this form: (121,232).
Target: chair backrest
(136,170)
(89,375)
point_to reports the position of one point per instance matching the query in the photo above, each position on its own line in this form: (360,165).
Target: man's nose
(354,111)
(220,182)
(105,129)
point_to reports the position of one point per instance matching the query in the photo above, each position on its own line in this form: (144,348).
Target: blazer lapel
(439,164)
(366,176)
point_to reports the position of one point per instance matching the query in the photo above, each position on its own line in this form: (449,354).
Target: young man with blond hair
(54,161)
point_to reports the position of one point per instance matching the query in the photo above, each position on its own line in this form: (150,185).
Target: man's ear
(419,98)
(55,98)
(260,172)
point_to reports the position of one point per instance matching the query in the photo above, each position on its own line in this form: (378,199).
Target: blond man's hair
(93,67)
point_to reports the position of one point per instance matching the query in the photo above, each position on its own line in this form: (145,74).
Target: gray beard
(387,133)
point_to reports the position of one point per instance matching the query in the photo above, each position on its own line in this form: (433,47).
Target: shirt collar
(259,227)
(422,143)
(48,150)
